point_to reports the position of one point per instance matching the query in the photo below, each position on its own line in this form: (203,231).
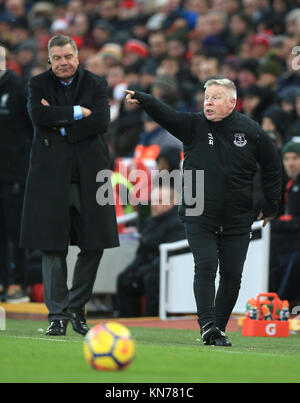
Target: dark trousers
(60,301)
(135,281)
(209,250)
(285,265)
(12,258)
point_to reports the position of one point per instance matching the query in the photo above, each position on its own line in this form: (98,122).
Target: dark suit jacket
(46,217)
(16,130)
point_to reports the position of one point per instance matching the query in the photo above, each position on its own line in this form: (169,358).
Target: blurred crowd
(170,48)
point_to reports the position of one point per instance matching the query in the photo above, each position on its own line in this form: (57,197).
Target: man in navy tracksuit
(227,146)
(15,140)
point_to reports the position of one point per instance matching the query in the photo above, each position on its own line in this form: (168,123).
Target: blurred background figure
(15,140)
(285,245)
(141,277)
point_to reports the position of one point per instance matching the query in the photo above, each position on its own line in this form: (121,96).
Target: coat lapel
(78,84)
(55,88)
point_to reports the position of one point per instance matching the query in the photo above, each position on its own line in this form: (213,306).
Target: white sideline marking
(44,339)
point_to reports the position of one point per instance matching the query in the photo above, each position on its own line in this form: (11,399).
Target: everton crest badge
(240,140)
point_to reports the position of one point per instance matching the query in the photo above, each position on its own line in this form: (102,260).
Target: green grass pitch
(163,356)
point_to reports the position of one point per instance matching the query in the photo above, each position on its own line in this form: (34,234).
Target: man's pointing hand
(129,98)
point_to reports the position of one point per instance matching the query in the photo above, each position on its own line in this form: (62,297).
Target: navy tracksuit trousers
(210,250)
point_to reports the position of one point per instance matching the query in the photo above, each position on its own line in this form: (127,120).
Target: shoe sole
(17,301)
(56,334)
(79,332)
(228,344)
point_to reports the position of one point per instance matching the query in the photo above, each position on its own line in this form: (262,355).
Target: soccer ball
(109,346)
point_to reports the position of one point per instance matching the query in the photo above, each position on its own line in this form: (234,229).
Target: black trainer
(210,333)
(57,328)
(222,341)
(79,324)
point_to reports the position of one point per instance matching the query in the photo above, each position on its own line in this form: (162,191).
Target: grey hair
(223,16)
(293,16)
(61,40)
(223,82)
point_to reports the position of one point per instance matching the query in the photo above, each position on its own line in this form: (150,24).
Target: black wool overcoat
(46,222)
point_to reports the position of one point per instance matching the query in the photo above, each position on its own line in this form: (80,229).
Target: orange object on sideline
(266,328)
(266,312)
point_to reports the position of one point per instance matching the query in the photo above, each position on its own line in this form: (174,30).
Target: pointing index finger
(129,92)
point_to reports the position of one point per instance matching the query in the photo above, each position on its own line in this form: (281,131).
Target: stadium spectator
(275,120)
(268,74)
(108,11)
(139,30)
(294,130)
(287,99)
(230,67)
(15,140)
(248,74)
(80,26)
(46,11)
(196,58)
(240,26)
(196,8)
(15,8)
(182,79)
(158,49)
(95,64)
(285,244)
(116,79)
(253,9)
(152,140)
(260,46)
(111,53)
(215,38)
(291,75)
(292,20)
(165,88)
(141,277)
(36,69)
(207,69)
(125,130)
(147,77)
(102,32)
(26,58)
(253,102)
(169,159)
(176,49)
(19,32)
(135,53)
(74,8)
